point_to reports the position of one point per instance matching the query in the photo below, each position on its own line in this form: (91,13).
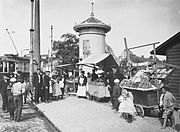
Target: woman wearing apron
(82,81)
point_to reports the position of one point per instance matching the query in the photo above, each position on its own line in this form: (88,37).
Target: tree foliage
(66,49)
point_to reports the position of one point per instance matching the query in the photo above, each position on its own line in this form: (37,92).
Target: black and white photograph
(89,65)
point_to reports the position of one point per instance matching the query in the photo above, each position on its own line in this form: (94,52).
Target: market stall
(70,79)
(97,89)
(143,88)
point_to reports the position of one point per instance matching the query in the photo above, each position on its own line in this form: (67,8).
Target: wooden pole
(74,86)
(144,45)
(51,46)
(127,55)
(155,68)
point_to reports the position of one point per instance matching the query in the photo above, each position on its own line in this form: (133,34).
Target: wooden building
(171,49)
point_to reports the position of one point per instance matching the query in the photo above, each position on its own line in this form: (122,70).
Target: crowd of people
(45,88)
(122,100)
(16,88)
(48,87)
(12,91)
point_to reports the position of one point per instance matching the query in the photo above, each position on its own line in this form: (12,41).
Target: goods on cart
(98,82)
(97,90)
(140,80)
(142,86)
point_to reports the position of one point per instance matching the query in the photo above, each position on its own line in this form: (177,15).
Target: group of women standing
(56,87)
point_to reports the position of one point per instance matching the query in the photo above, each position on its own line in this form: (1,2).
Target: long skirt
(56,90)
(127,106)
(81,91)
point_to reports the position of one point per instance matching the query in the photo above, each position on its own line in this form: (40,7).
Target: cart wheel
(140,110)
(96,96)
(89,97)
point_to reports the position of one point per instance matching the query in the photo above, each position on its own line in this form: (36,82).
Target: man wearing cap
(10,98)
(18,90)
(116,93)
(3,91)
(114,74)
(168,107)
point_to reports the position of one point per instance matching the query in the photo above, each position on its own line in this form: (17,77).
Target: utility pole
(51,47)
(127,56)
(155,69)
(12,41)
(31,44)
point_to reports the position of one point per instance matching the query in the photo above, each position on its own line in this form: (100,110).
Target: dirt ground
(81,115)
(32,121)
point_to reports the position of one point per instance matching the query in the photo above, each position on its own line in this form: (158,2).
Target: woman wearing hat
(82,81)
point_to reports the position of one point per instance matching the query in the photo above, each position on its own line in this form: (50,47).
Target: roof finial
(92,14)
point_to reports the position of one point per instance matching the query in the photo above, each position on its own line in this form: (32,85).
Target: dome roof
(92,22)
(92,19)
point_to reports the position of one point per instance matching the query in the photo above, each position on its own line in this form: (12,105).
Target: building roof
(92,22)
(13,58)
(161,49)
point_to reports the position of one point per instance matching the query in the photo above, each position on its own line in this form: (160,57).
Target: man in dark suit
(3,91)
(45,87)
(37,84)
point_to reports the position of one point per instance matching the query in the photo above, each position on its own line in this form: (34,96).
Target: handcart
(98,92)
(144,99)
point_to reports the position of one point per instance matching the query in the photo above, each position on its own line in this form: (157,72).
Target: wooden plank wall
(173,57)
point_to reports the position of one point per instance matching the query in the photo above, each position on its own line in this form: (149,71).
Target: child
(127,105)
(27,86)
(116,93)
(57,89)
(168,107)
(121,100)
(61,84)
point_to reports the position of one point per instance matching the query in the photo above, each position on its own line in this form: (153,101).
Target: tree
(66,49)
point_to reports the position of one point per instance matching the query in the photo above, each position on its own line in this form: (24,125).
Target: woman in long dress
(56,89)
(61,85)
(82,81)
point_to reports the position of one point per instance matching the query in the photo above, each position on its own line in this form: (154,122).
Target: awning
(102,60)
